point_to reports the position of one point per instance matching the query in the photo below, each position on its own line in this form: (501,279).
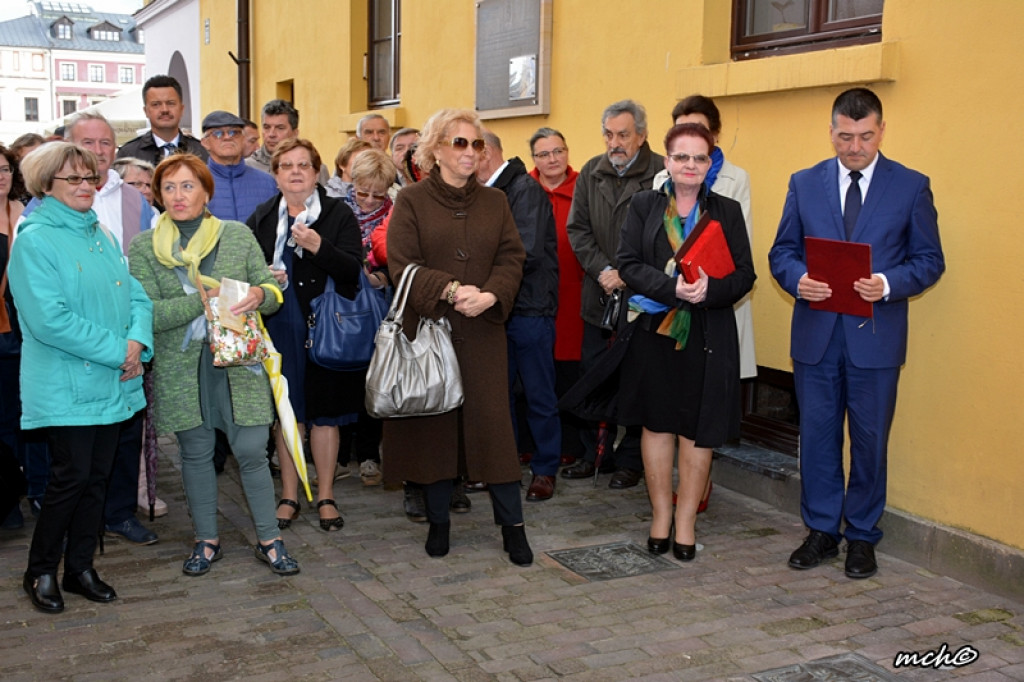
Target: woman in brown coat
(464,236)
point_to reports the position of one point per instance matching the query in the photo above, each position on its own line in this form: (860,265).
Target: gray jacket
(599,206)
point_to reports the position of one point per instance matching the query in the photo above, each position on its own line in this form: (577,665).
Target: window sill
(833,67)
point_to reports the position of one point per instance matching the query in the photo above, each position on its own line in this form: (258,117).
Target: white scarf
(307,217)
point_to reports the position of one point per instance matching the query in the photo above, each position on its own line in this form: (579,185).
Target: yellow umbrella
(285,414)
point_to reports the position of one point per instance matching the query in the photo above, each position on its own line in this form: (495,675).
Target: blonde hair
(43,163)
(373,166)
(436,131)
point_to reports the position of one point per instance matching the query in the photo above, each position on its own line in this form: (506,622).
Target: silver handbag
(412,378)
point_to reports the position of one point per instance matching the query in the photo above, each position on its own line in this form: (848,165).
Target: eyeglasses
(6,170)
(140,184)
(229,133)
(366,195)
(699,159)
(461,143)
(556,152)
(76,180)
(288,165)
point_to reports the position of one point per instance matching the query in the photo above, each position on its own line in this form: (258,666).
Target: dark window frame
(392,97)
(32,109)
(818,34)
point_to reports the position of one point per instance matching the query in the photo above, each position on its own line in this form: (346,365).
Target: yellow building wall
(946,74)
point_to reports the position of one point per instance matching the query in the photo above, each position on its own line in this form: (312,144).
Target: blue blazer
(900,223)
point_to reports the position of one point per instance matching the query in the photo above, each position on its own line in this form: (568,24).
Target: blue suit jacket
(900,223)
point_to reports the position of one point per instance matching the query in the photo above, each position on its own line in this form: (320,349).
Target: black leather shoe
(657,546)
(513,540)
(475,486)
(89,585)
(816,548)
(624,478)
(44,593)
(860,559)
(683,552)
(581,469)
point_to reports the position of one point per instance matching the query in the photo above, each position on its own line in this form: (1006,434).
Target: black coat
(643,254)
(535,220)
(340,254)
(144,147)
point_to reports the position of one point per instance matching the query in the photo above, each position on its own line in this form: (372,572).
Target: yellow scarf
(169,253)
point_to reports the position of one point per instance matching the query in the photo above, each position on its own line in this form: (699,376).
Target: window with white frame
(68,107)
(106,35)
(63,31)
(126,74)
(68,71)
(96,73)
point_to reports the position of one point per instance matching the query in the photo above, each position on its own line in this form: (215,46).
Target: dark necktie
(853,202)
(169,148)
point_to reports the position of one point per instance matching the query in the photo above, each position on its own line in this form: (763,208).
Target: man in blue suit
(844,365)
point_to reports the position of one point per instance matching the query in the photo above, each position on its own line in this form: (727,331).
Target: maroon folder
(839,264)
(705,248)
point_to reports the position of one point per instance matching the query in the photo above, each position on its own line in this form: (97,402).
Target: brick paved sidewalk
(369,603)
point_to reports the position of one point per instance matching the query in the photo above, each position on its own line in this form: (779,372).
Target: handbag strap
(204,297)
(402,293)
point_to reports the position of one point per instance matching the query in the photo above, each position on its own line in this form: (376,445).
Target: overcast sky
(12,9)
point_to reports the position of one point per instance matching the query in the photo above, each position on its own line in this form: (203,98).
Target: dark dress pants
(531,359)
(123,487)
(81,458)
(829,392)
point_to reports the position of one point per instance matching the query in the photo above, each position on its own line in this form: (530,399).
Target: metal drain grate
(616,560)
(834,668)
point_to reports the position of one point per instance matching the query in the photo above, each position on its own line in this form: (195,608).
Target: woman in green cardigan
(189,248)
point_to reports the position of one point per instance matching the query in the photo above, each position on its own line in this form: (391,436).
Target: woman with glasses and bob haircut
(87,327)
(187,249)
(680,377)
(464,237)
(306,237)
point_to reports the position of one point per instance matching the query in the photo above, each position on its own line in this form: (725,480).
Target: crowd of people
(550,279)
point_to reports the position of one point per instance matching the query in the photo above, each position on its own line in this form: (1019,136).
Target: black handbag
(10,333)
(342,331)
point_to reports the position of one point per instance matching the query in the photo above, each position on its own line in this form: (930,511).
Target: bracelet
(452,288)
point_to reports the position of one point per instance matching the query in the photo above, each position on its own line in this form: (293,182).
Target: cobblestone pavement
(369,603)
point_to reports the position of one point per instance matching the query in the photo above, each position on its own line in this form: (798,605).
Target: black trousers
(80,461)
(505,499)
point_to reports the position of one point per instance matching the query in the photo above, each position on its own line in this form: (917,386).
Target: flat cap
(219,119)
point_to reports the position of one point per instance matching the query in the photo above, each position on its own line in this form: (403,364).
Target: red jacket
(568,323)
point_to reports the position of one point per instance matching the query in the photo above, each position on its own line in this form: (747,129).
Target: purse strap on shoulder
(402,292)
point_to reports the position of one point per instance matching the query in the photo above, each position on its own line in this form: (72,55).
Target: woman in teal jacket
(87,327)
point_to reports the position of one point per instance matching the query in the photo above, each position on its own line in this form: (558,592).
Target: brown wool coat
(467,234)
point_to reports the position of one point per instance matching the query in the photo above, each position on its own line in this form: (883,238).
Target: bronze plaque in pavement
(615,560)
(839,668)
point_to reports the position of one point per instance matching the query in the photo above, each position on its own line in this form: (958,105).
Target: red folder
(839,264)
(705,248)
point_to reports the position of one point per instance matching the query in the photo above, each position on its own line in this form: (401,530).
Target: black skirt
(661,388)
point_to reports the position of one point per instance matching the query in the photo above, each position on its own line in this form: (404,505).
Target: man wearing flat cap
(237,188)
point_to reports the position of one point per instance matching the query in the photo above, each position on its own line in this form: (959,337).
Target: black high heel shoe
(683,552)
(327,525)
(657,546)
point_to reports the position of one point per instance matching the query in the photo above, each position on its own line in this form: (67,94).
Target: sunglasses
(461,143)
(301,165)
(366,195)
(229,133)
(76,180)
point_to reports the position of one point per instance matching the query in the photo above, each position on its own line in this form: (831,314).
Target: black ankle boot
(514,541)
(437,539)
